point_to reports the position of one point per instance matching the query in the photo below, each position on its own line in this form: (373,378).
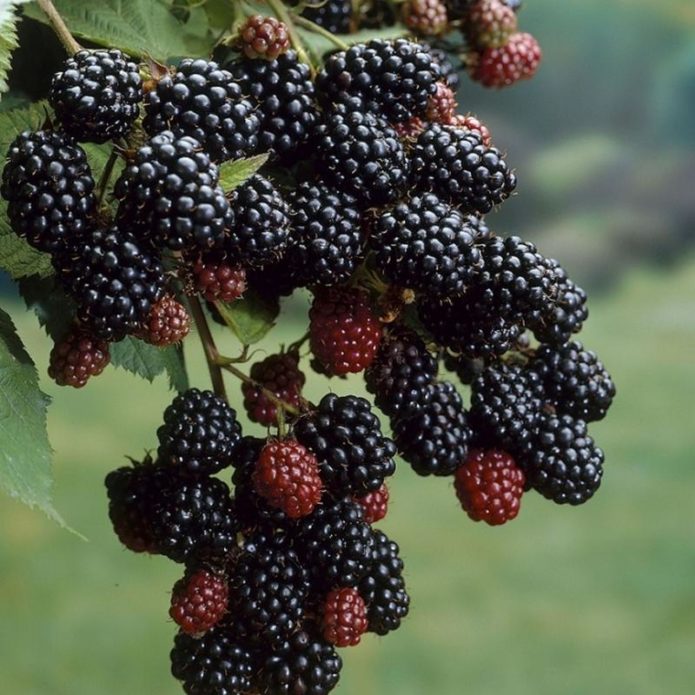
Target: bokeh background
(599,599)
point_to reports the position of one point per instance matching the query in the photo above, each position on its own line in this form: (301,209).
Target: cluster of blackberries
(285,569)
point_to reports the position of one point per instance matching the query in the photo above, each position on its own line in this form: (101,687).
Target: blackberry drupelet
(203,101)
(333,15)
(199,600)
(96,95)
(426,244)
(425,17)
(215,664)
(262,223)
(506,406)
(114,281)
(268,590)
(575,380)
(263,37)
(375,504)
(441,107)
(77,357)
(168,323)
(200,433)
(470,122)
(335,544)
(362,153)
(328,239)
(344,617)
(564,465)
(401,375)
(354,456)
(383,587)
(218,278)
(283,91)
(434,440)
(518,59)
(170,195)
(303,664)
(447,69)
(394,78)
(482,230)
(454,163)
(489,24)
(49,188)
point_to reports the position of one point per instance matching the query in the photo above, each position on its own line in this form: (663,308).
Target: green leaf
(233,174)
(54,309)
(138,27)
(149,361)
(251,317)
(8,41)
(25,454)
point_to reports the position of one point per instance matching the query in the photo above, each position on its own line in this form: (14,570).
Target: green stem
(106,175)
(59,26)
(211,352)
(282,14)
(312,26)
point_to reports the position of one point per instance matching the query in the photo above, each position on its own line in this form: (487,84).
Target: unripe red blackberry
(375,504)
(217,278)
(489,486)
(167,323)
(279,374)
(344,617)
(425,17)
(517,60)
(77,357)
(410,129)
(344,331)
(287,476)
(472,123)
(489,24)
(199,601)
(96,95)
(263,37)
(441,108)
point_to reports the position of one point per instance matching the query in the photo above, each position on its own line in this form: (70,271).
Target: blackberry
(215,664)
(409,130)
(518,59)
(401,375)
(458,9)
(203,101)
(344,617)
(447,69)
(426,244)
(262,223)
(167,323)
(302,665)
(362,153)
(333,15)
(454,163)
(170,195)
(470,122)
(467,369)
(506,405)
(274,280)
(441,108)
(217,278)
(354,456)
(434,441)
(490,23)
(425,17)
(96,95)
(564,465)
(193,519)
(395,78)
(269,588)
(263,37)
(283,91)
(199,601)
(77,358)
(114,281)
(199,434)
(336,544)
(328,240)
(50,190)
(375,504)
(575,380)
(383,587)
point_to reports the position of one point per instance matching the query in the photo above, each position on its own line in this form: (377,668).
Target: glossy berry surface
(199,601)
(77,358)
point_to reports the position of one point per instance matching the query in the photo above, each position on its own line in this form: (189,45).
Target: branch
(211,353)
(59,26)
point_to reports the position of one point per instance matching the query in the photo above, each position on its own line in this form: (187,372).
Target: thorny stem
(281,12)
(106,175)
(211,353)
(59,26)
(312,26)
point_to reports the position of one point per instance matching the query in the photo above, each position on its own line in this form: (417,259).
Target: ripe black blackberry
(203,101)
(473,324)
(345,435)
(303,664)
(268,590)
(283,91)
(394,78)
(50,190)
(425,244)
(575,380)
(506,406)
(200,433)
(214,664)
(261,223)
(383,588)
(96,95)
(453,162)
(447,69)
(401,375)
(564,465)
(434,440)
(170,195)
(333,15)
(335,544)
(114,281)
(193,519)
(362,153)
(328,240)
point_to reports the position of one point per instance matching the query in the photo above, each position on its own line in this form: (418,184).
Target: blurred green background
(599,599)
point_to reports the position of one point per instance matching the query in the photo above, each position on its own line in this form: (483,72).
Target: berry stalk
(318,29)
(59,26)
(211,353)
